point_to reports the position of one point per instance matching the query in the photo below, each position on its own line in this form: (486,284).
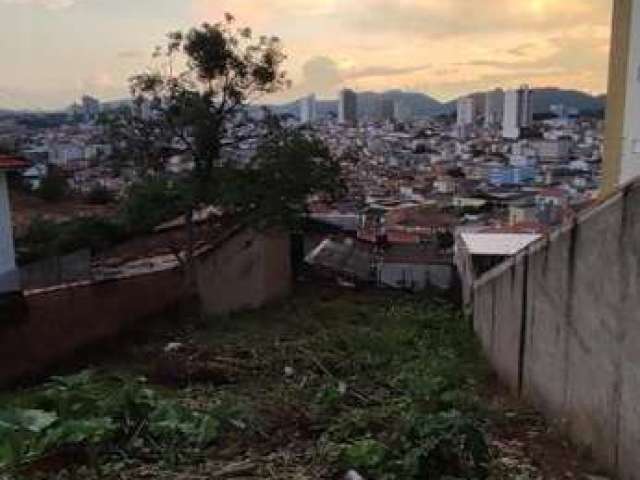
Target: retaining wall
(560,323)
(243,270)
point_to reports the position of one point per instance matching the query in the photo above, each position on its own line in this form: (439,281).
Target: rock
(173,347)
(289,372)
(353,475)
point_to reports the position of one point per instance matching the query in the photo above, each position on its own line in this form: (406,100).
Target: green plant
(45,238)
(151,202)
(101,414)
(448,444)
(366,455)
(53,187)
(99,195)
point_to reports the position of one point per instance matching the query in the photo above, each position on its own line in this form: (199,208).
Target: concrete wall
(8,274)
(561,325)
(58,322)
(73,267)
(417,277)
(246,272)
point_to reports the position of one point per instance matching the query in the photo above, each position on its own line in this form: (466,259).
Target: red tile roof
(9,162)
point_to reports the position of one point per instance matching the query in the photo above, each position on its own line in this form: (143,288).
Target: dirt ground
(26,206)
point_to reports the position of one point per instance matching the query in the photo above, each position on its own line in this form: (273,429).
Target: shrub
(45,238)
(99,195)
(53,187)
(100,414)
(150,203)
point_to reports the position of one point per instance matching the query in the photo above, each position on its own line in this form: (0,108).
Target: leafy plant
(447,444)
(366,455)
(100,413)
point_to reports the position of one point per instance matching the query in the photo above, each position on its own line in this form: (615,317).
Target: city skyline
(61,49)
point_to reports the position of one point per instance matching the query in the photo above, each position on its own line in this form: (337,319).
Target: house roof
(10,162)
(498,244)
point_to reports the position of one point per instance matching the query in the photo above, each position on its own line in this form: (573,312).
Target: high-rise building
(466,108)
(308,111)
(479,106)
(387,109)
(403,112)
(494,108)
(622,135)
(518,112)
(90,108)
(466,116)
(348,107)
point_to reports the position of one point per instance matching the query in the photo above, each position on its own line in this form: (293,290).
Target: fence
(560,323)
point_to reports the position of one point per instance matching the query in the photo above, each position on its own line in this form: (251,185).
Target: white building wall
(416,277)
(494,108)
(630,167)
(465,111)
(518,112)
(8,274)
(308,111)
(348,107)
(510,124)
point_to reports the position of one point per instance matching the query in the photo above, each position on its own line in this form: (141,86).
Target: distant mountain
(543,98)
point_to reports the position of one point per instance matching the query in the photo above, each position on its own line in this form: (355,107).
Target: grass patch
(387,385)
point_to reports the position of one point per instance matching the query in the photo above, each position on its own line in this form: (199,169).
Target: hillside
(543,98)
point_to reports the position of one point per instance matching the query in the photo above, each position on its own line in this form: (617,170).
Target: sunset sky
(53,51)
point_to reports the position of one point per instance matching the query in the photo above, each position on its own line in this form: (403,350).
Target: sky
(54,51)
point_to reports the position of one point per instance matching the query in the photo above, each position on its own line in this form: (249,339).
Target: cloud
(521,50)
(438,19)
(48,4)
(383,71)
(324,75)
(321,73)
(130,54)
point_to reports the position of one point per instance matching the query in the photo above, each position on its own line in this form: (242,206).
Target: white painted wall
(510,122)
(8,274)
(416,277)
(630,167)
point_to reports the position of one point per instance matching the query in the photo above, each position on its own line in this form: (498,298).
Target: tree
(224,70)
(192,102)
(287,169)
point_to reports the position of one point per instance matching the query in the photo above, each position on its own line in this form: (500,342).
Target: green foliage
(287,169)
(448,444)
(53,187)
(225,69)
(388,387)
(367,456)
(151,202)
(103,414)
(192,110)
(420,365)
(45,238)
(99,195)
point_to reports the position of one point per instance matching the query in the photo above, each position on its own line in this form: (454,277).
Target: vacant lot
(390,386)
